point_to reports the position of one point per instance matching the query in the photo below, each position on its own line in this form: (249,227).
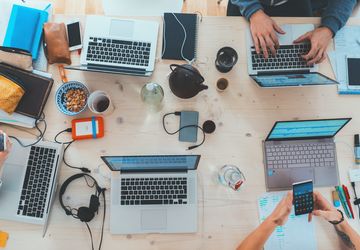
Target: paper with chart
(296,234)
(347,43)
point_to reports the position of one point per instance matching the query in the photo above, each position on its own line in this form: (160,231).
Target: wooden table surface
(244,114)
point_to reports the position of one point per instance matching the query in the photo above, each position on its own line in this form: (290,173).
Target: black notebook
(37,90)
(174,35)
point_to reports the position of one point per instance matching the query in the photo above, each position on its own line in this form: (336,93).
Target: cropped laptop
(153,194)
(123,46)
(302,150)
(29,179)
(287,68)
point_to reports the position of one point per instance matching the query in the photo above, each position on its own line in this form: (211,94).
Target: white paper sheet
(296,234)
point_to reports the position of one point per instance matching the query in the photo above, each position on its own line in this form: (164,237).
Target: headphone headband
(66,184)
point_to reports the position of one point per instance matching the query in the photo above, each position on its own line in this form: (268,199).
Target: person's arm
(247,7)
(263,28)
(256,240)
(325,210)
(334,17)
(336,14)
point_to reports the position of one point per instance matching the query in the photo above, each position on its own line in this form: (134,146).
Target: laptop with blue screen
(153,193)
(295,151)
(287,68)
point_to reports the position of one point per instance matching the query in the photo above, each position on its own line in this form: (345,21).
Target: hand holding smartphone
(303,197)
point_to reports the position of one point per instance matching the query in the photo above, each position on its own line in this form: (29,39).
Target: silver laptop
(287,68)
(153,194)
(123,46)
(302,150)
(29,179)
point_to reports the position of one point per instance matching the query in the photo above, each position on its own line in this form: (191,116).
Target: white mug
(99,102)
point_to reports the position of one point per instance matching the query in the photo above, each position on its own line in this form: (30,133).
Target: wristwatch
(334,222)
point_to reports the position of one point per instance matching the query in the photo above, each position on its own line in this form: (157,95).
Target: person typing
(264,30)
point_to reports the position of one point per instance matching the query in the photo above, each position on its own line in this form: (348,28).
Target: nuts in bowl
(71,98)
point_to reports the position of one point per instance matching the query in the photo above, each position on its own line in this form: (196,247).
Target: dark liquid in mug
(222,83)
(102,105)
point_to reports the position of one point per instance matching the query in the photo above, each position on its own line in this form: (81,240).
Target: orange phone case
(94,134)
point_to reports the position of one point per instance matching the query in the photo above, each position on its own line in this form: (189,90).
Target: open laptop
(29,179)
(153,194)
(287,68)
(295,151)
(122,46)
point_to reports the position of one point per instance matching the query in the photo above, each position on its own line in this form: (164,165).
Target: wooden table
(244,114)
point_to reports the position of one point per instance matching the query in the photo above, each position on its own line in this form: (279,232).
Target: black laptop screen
(152,162)
(283,80)
(306,129)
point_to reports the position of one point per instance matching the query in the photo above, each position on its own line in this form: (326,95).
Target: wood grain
(244,114)
(81,7)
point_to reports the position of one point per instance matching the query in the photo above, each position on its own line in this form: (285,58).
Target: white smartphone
(353,73)
(74,35)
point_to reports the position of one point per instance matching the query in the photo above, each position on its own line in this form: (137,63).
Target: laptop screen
(306,129)
(152,163)
(292,79)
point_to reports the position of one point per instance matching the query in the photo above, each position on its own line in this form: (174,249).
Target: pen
(357,149)
(342,200)
(347,196)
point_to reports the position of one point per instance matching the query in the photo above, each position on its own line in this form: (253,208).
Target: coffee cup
(99,103)
(222,84)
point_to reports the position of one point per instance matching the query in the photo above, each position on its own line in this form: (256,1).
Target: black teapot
(185,81)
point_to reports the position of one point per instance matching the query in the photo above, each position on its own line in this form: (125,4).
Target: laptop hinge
(284,72)
(115,68)
(163,171)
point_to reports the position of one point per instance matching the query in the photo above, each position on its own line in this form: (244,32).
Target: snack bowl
(71,98)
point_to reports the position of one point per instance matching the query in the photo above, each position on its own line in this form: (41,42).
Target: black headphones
(85,214)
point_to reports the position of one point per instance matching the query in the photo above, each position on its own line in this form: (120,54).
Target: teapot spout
(203,87)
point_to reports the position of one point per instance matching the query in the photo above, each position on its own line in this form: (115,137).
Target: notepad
(25,29)
(180,36)
(296,234)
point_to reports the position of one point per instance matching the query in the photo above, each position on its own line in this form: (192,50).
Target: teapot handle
(193,71)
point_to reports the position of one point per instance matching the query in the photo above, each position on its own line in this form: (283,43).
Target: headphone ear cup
(94,203)
(85,214)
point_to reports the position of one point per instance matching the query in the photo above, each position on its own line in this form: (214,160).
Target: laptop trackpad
(302,174)
(153,219)
(122,28)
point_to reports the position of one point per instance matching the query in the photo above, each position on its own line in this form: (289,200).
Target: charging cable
(68,144)
(39,137)
(177,113)
(356,201)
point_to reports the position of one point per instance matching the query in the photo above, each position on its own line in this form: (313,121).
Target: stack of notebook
(25,29)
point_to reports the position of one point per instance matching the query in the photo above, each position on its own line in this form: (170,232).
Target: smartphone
(3,140)
(353,73)
(303,197)
(188,134)
(74,35)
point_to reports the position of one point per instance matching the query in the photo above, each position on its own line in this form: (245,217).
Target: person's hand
(323,209)
(282,211)
(319,39)
(263,31)
(4,154)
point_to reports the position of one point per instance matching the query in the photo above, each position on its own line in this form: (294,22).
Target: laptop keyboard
(118,51)
(36,182)
(153,191)
(303,155)
(287,57)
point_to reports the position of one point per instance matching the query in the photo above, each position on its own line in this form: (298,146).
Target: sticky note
(4,236)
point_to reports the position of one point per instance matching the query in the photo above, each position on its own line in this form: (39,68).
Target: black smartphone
(303,197)
(3,140)
(74,35)
(187,118)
